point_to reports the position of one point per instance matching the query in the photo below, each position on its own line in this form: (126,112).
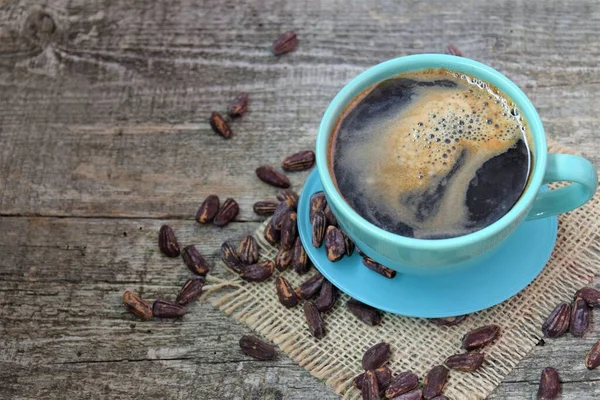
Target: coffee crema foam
(431,154)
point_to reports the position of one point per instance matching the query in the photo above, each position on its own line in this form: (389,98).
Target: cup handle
(565,167)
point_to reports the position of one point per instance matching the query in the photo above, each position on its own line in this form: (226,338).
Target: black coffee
(431,154)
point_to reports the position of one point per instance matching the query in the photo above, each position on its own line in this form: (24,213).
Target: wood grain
(104,132)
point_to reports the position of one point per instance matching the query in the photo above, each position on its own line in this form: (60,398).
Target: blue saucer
(484,282)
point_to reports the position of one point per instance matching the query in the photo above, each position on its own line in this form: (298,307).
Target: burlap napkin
(417,344)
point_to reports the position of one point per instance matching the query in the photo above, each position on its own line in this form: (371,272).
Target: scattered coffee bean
(239,105)
(370,386)
(270,175)
(258,272)
(283,259)
(290,197)
(220,125)
(331,219)
(448,321)
(376,356)
(166,309)
(256,348)
(467,362)
(349,244)
(480,337)
(314,320)
(434,382)
(317,203)
(580,318)
(194,260)
(380,269)
(310,287)
(383,374)
(265,207)
(279,214)
(334,244)
(190,291)
(229,210)
(319,225)
(231,258)
(167,242)
(248,250)
(557,322)
(367,314)
(136,306)
(327,297)
(401,384)
(452,50)
(271,234)
(414,395)
(549,385)
(590,295)
(289,230)
(300,161)
(300,261)
(592,358)
(285,43)
(208,209)
(285,292)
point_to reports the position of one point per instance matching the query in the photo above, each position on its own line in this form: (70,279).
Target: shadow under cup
(411,255)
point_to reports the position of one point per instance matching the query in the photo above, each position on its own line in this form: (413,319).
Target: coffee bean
(317,203)
(248,250)
(467,362)
(285,292)
(300,261)
(285,43)
(310,287)
(592,358)
(370,387)
(331,219)
(434,382)
(238,106)
(279,214)
(190,291)
(283,259)
(376,356)
(314,320)
(231,258)
(380,269)
(349,244)
(590,295)
(401,384)
(270,175)
(256,348)
(367,314)
(480,337)
(383,374)
(549,385)
(166,309)
(208,209)
(299,161)
(266,207)
(414,395)
(229,210)
(258,272)
(290,197)
(448,321)
(271,234)
(194,260)
(327,297)
(167,242)
(580,318)
(557,322)
(334,244)
(452,50)
(136,306)
(289,230)
(220,125)
(319,225)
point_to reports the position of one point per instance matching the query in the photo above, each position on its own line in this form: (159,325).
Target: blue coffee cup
(433,255)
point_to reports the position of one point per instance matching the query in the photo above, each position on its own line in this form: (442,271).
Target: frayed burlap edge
(417,344)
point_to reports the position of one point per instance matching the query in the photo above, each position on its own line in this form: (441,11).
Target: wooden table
(104,137)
